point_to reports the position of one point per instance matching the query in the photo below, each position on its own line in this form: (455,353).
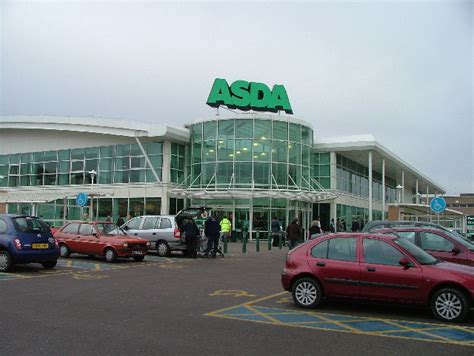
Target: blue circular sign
(438,205)
(82,199)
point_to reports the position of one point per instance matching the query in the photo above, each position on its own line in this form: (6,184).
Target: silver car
(163,231)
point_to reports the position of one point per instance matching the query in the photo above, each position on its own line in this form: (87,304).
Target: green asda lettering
(246,96)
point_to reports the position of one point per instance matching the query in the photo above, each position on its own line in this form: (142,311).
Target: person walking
(212,230)
(191,232)
(332,227)
(315,229)
(120,221)
(226,227)
(276,231)
(293,231)
(344,226)
(338,225)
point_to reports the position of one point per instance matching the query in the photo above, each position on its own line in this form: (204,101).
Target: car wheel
(449,304)
(5,261)
(306,293)
(64,251)
(138,258)
(110,255)
(162,248)
(49,264)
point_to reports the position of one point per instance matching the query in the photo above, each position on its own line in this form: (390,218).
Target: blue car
(26,239)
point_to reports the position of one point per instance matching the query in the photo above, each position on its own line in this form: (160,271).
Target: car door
(88,242)
(132,227)
(70,235)
(166,231)
(335,262)
(439,246)
(382,277)
(149,228)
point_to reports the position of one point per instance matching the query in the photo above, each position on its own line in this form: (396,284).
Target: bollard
(269,242)
(225,244)
(244,243)
(257,242)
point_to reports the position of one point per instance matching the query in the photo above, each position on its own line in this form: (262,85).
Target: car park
(162,231)
(100,239)
(444,245)
(378,267)
(26,239)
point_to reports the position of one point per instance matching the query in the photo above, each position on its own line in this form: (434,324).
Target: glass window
(153,206)
(123,150)
(225,150)
(263,129)
(261,174)
(137,162)
(294,150)
(3,226)
(105,164)
(77,153)
(409,235)
(71,228)
(51,156)
(106,151)
(280,173)
(224,173)
(150,223)
(343,249)
(244,128)
(306,135)
(209,150)
(226,129)
(262,150)
(280,151)
(381,253)
(197,132)
(243,174)
(209,169)
(135,150)
(122,163)
(430,241)
(154,148)
(295,132)
(134,224)
(320,250)
(165,223)
(86,229)
(210,130)
(92,152)
(280,130)
(243,150)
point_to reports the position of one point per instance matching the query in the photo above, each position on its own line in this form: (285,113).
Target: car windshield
(459,238)
(109,229)
(30,224)
(421,256)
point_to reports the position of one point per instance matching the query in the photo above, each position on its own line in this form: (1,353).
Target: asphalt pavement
(225,306)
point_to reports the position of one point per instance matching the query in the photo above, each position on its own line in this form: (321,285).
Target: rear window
(30,224)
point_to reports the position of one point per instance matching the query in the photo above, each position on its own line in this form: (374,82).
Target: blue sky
(402,71)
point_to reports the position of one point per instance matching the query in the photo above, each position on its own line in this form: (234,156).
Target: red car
(377,267)
(443,245)
(99,239)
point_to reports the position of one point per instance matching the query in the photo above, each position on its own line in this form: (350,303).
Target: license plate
(137,252)
(38,246)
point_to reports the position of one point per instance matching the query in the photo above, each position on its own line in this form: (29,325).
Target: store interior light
(211,151)
(263,154)
(245,149)
(255,144)
(237,152)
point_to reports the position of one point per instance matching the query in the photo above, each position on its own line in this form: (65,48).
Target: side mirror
(405,263)
(125,227)
(455,250)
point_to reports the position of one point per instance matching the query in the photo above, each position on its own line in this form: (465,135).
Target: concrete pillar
(417,199)
(165,178)
(403,187)
(333,167)
(383,188)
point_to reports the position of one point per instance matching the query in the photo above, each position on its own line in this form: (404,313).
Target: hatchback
(444,245)
(377,267)
(26,239)
(97,238)
(163,231)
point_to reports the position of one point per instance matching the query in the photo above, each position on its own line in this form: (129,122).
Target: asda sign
(246,96)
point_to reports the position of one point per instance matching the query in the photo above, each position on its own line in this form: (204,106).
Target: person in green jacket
(226,227)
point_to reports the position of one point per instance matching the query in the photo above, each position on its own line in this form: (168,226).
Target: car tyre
(5,261)
(138,258)
(449,304)
(64,251)
(49,264)
(110,255)
(307,293)
(162,249)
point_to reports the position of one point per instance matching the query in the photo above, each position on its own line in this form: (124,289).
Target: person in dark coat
(212,231)
(276,231)
(191,232)
(315,229)
(120,221)
(293,231)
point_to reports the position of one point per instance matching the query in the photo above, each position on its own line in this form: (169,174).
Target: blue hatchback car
(26,239)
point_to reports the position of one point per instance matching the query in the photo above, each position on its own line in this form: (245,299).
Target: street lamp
(92,173)
(418,197)
(399,190)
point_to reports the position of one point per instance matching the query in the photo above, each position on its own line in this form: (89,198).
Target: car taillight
(17,244)
(177,233)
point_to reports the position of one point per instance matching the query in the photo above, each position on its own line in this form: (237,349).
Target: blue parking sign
(438,205)
(81,199)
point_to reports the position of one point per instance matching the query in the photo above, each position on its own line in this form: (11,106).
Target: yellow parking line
(263,315)
(407,328)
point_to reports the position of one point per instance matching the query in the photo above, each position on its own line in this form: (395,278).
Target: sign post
(438,205)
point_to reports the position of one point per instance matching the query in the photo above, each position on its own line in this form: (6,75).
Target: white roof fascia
(368,142)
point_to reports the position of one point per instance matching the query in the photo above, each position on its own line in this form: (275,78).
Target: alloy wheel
(448,305)
(306,293)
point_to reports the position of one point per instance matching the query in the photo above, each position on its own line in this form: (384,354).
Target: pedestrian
(245,228)
(226,227)
(120,221)
(191,232)
(355,225)
(108,218)
(332,227)
(315,229)
(212,230)
(276,231)
(293,232)
(344,227)
(338,225)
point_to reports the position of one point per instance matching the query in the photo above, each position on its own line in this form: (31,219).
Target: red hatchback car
(99,239)
(377,267)
(443,245)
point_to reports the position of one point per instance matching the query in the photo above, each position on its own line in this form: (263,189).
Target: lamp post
(399,190)
(92,173)
(418,197)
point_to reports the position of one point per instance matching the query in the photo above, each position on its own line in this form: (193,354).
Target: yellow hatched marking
(263,315)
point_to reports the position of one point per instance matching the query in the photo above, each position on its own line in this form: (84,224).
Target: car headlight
(148,244)
(125,244)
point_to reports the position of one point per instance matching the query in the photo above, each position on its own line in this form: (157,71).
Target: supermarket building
(251,166)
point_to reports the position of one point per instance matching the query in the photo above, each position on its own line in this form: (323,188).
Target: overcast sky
(402,71)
